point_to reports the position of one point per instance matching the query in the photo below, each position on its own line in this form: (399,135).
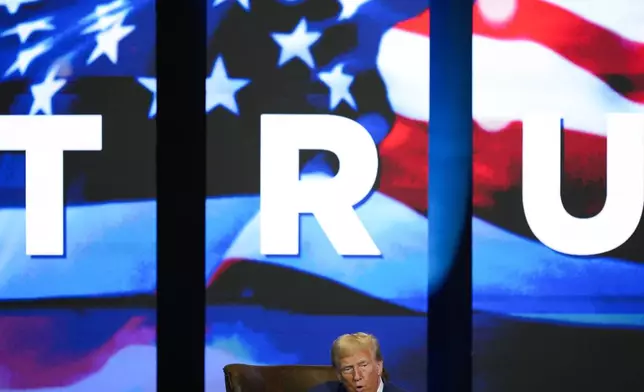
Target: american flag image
(544,320)
(581,60)
(578,60)
(263,57)
(310,77)
(364,59)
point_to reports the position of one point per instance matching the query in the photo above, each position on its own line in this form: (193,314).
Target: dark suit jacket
(336,386)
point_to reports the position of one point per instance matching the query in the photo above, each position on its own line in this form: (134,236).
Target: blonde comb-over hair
(350,343)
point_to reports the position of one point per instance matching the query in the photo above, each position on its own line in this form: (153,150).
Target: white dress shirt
(381,387)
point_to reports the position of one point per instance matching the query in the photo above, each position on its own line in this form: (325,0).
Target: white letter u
(542,205)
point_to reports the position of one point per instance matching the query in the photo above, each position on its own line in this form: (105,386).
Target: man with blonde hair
(359,365)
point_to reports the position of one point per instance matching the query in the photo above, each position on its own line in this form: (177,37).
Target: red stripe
(418,24)
(592,47)
(221,269)
(403,163)
(496,164)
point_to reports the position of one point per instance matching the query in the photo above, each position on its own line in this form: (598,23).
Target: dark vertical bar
(450,195)
(181,166)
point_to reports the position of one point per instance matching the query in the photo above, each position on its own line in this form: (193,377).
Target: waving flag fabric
(83,58)
(580,60)
(393,215)
(304,71)
(367,60)
(524,64)
(274,56)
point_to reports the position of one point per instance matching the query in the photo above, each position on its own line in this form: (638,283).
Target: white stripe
(622,17)
(511,79)
(516,78)
(403,62)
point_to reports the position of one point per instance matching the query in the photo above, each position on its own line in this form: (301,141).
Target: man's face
(360,372)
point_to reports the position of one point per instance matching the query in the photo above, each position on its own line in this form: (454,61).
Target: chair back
(291,378)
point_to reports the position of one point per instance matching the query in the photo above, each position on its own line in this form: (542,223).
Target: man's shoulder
(392,388)
(336,386)
(329,386)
